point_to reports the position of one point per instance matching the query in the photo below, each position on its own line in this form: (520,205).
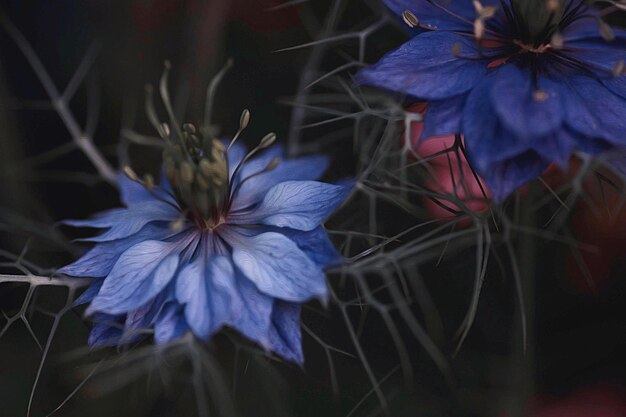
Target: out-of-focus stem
(523,353)
(60,103)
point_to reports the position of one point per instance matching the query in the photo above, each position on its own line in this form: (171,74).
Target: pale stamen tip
(540,96)
(410,19)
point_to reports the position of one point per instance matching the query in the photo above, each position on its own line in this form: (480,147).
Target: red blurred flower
(599,221)
(449,174)
(592,401)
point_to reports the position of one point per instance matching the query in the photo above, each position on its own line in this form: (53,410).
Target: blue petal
(170,324)
(285,333)
(255,187)
(235,156)
(99,261)
(90,293)
(277,266)
(581,28)
(586,27)
(133,193)
(301,205)
(512,95)
(598,55)
(139,275)
(593,110)
(206,288)
(429,67)
(139,320)
(102,220)
(486,140)
(602,58)
(133,219)
(106,330)
(507,176)
(558,146)
(315,244)
(443,117)
(125,222)
(253,316)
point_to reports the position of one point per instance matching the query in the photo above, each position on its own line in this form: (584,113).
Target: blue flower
(527,82)
(228,239)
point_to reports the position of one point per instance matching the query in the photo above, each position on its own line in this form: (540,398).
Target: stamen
(450,13)
(269,167)
(410,19)
(151,114)
(130,173)
(203,184)
(483,13)
(530,48)
(606,31)
(618,68)
(148,181)
(186,172)
(557,41)
(244,119)
(165,96)
(540,96)
(178,224)
(552,6)
(267,141)
(210,93)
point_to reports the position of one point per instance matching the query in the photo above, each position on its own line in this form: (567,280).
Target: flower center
(197,168)
(525,47)
(197,165)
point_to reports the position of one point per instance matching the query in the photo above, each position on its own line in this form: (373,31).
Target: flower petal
(277,266)
(594,111)
(486,140)
(301,205)
(133,193)
(285,334)
(170,323)
(206,288)
(560,145)
(125,222)
(105,331)
(139,275)
(586,27)
(140,320)
(99,261)
(90,293)
(526,107)
(102,220)
(252,317)
(507,176)
(433,65)
(235,156)
(315,244)
(443,117)
(256,186)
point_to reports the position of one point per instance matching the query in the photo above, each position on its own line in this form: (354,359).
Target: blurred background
(363,358)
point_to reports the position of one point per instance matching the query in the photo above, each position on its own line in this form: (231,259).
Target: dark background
(578,334)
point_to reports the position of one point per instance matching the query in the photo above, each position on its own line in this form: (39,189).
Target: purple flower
(228,239)
(527,82)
